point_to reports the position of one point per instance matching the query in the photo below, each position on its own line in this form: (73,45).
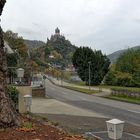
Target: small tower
(57,31)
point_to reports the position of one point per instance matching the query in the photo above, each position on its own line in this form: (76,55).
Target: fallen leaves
(24,129)
(35,130)
(76,137)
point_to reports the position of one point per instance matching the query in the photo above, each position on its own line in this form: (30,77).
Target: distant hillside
(34,43)
(114,56)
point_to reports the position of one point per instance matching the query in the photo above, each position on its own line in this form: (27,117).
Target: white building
(7,48)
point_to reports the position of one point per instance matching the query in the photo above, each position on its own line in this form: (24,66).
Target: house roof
(7,48)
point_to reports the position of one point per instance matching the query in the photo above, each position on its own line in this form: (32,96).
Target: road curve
(127,112)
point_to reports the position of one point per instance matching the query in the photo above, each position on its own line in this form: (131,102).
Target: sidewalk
(53,106)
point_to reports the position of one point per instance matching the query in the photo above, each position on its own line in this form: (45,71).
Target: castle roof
(57,31)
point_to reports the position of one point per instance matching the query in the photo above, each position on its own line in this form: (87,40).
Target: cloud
(107,25)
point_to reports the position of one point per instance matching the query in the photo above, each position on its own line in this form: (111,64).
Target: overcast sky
(108,25)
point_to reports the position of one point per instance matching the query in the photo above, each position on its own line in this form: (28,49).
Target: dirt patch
(40,130)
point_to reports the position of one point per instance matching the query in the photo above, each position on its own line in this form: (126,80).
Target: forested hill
(33,43)
(41,53)
(113,57)
(59,48)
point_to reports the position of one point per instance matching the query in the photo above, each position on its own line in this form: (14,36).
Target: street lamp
(28,102)
(89,76)
(20,73)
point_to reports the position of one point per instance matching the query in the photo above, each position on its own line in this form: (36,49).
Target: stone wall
(38,92)
(125,93)
(23,90)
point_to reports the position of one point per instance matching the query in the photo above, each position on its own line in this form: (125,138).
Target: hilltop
(57,50)
(33,43)
(113,57)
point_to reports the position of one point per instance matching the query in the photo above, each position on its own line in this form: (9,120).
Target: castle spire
(57,31)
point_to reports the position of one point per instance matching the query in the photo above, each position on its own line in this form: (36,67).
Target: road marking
(138,112)
(90,133)
(132,135)
(82,98)
(64,93)
(94,134)
(100,132)
(51,88)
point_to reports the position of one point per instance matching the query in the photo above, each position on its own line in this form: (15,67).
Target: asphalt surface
(109,108)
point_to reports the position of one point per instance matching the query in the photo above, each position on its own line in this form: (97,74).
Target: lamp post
(89,76)
(20,73)
(28,102)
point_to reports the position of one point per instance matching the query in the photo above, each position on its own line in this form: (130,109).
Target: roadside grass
(81,83)
(125,99)
(83,90)
(131,89)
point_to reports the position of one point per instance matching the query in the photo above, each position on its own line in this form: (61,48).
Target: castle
(57,35)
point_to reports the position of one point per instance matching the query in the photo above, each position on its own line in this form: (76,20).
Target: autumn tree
(126,71)
(11,62)
(16,43)
(8,114)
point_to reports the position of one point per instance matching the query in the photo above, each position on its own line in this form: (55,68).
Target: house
(7,48)
(10,74)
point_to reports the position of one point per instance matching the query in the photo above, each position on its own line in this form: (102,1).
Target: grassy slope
(87,91)
(125,99)
(133,89)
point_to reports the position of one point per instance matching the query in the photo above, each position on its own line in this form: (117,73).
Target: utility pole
(61,77)
(89,76)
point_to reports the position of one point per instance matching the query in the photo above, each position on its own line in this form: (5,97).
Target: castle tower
(57,31)
(57,35)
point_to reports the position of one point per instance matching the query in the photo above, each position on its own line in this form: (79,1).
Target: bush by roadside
(12,92)
(83,90)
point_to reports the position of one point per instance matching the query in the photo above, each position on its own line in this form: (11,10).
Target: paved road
(109,108)
(59,82)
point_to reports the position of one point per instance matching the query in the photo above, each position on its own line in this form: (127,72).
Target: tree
(16,43)
(34,66)
(11,62)
(8,114)
(99,64)
(129,62)
(126,71)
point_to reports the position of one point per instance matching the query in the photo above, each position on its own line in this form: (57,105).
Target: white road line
(132,135)
(51,88)
(138,112)
(64,93)
(82,98)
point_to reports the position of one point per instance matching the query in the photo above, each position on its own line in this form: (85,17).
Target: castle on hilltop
(57,35)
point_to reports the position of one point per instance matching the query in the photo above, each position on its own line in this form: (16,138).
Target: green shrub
(117,78)
(124,79)
(12,92)
(110,78)
(136,78)
(126,70)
